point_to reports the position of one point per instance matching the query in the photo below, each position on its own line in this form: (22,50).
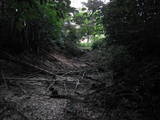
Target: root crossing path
(61,96)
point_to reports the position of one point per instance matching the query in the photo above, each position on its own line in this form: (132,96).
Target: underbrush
(95,44)
(134,93)
(85,44)
(98,44)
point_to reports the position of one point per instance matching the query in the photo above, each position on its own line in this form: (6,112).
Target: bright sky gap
(78,3)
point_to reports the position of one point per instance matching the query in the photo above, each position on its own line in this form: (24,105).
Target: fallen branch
(93,79)
(4,79)
(16,60)
(23,90)
(68,73)
(27,79)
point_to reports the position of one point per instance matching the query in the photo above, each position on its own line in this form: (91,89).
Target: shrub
(98,44)
(30,25)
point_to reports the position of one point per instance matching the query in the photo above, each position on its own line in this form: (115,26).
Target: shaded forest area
(38,37)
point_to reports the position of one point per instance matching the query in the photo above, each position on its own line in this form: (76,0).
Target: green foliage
(86,45)
(84,20)
(127,23)
(29,25)
(132,54)
(94,5)
(90,22)
(98,44)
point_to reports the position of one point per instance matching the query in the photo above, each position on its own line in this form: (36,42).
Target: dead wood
(25,63)
(23,90)
(28,79)
(4,79)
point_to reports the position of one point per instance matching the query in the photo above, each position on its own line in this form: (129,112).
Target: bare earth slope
(27,92)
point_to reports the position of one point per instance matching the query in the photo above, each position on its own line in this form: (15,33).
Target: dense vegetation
(31,24)
(129,50)
(90,24)
(132,53)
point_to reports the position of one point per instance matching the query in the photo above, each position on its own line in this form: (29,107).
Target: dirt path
(31,98)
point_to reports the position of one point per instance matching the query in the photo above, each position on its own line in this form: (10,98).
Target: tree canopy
(32,23)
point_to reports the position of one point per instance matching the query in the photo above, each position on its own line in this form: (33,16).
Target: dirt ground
(33,95)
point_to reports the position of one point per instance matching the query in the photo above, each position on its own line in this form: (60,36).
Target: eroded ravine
(31,98)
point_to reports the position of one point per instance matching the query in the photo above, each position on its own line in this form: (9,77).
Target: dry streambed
(29,97)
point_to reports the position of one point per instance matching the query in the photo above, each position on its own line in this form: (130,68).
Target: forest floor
(32,94)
